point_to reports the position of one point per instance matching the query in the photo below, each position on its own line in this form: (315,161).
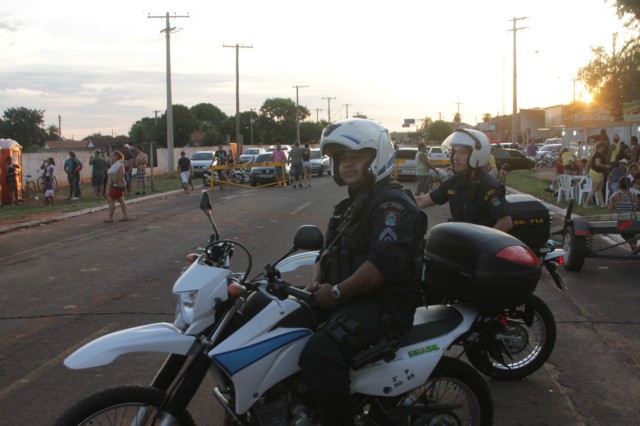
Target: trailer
(578,233)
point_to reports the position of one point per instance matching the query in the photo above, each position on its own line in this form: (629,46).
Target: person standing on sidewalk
(128,165)
(279,156)
(141,161)
(11,179)
(97,173)
(72,167)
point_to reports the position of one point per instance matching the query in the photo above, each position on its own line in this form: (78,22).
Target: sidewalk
(62,216)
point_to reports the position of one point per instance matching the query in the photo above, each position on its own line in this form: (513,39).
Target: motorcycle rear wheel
(455,394)
(119,406)
(529,345)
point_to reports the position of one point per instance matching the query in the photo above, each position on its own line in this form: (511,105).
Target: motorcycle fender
(292,263)
(413,363)
(159,337)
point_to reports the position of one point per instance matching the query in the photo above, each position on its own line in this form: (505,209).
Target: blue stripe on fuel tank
(236,360)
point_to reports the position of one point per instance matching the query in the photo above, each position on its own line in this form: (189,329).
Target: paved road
(66,283)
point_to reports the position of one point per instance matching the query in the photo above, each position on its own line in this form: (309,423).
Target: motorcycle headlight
(185,306)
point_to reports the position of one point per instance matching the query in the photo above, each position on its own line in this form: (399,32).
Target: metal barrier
(283,181)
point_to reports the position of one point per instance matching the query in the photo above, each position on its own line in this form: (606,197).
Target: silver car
(319,163)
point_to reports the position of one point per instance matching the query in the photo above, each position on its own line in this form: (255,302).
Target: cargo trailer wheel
(575,250)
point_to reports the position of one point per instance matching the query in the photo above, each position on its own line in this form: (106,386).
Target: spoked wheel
(455,394)
(524,343)
(124,405)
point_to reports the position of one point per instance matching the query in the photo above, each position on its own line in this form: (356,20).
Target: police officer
(473,195)
(366,278)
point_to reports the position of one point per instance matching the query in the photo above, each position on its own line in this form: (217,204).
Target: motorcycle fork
(186,384)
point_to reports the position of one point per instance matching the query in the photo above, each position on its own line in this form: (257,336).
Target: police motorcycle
(514,335)
(248,334)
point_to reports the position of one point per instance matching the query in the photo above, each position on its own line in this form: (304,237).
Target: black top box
(483,267)
(531,220)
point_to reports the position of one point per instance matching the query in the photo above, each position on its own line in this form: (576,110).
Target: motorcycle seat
(431,322)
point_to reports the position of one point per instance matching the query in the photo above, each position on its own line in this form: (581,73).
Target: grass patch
(34,207)
(534,182)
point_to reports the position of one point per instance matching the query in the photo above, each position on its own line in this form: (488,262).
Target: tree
(631,7)
(613,77)
(25,126)
(208,113)
(486,117)
(439,130)
(184,124)
(144,130)
(53,133)
(457,119)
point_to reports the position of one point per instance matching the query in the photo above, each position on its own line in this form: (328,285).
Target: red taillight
(519,254)
(560,260)
(235,289)
(192,257)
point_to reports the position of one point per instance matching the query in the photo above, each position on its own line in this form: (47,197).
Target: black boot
(334,409)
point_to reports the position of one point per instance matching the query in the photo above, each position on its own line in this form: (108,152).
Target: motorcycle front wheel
(124,405)
(526,342)
(455,394)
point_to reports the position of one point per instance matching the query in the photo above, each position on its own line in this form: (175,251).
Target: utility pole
(347,107)
(251,121)
(439,115)
(298,112)
(514,122)
(317,111)
(237,47)
(329,109)
(167,30)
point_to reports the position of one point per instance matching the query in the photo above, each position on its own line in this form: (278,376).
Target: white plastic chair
(584,187)
(565,188)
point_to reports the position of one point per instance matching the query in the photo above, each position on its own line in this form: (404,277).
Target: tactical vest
(348,235)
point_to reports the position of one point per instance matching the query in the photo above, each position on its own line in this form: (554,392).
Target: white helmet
(357,134)
(474,139)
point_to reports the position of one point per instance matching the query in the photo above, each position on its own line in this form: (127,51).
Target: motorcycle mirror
(205,202)
(308,237)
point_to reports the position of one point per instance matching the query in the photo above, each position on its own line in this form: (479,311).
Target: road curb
(25,225)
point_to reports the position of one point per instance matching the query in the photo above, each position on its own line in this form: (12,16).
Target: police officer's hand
(313,287)
(323,297)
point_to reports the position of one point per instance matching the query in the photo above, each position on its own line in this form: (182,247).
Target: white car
(249,154)
(438,158)
(201,161)
(319,163)
(406,162)
(552,149)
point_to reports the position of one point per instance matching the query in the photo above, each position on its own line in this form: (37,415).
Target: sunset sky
(101,65)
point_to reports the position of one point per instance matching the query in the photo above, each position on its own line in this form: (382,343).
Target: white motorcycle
(249,334)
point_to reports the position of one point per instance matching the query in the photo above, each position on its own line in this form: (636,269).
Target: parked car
(513,158)
(319,163)
(551,149)
(438,158)
(407,163)
(261,175)
(201,161)
(249,155)
(285,148)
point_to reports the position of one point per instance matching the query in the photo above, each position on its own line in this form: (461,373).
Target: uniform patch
(451,192)
(387,234)
(391,218)
(490,193)
(392,205)
(496,202)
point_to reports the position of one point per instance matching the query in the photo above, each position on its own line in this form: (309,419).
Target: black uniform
(385,227)
(480,200)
